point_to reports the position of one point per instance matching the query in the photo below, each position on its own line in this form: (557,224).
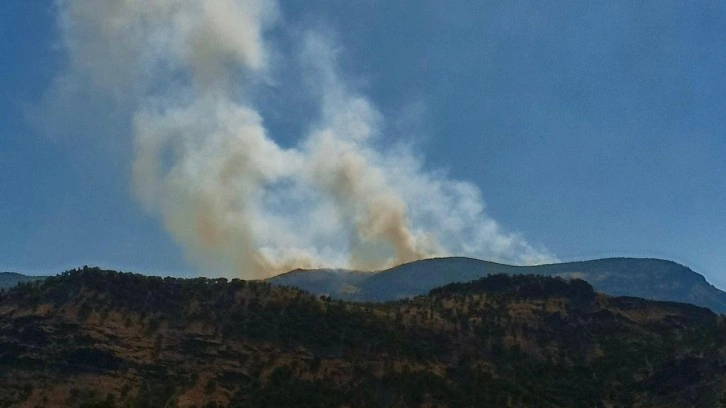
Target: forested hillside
(97,338)
(10,279)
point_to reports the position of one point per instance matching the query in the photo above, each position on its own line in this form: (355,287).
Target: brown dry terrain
(94,338)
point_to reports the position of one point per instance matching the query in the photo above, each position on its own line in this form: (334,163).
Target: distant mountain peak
(620,276)
(11,279)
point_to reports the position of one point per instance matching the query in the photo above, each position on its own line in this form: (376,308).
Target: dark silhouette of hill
(647,278)
(10,279)
(92,338)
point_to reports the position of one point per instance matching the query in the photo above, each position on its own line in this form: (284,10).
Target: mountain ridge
(650,278)
(11,279)
(91,338)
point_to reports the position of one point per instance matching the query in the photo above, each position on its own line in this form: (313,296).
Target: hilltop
(10,279)
(92,337)
(647,278)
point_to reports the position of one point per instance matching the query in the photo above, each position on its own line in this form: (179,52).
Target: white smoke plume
(238,202)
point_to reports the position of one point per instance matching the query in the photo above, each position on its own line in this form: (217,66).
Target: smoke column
(238,202)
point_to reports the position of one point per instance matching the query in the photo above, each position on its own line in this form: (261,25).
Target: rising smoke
(232,196)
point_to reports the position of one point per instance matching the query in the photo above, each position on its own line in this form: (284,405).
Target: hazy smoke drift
(226,191)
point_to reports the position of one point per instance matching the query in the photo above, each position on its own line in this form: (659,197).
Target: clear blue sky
(592,129)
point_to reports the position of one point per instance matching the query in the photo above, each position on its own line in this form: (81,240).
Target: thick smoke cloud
(234,198)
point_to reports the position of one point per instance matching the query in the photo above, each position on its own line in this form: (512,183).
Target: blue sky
(590,130)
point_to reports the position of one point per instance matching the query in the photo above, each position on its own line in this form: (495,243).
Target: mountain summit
(10,279)
(639,277)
